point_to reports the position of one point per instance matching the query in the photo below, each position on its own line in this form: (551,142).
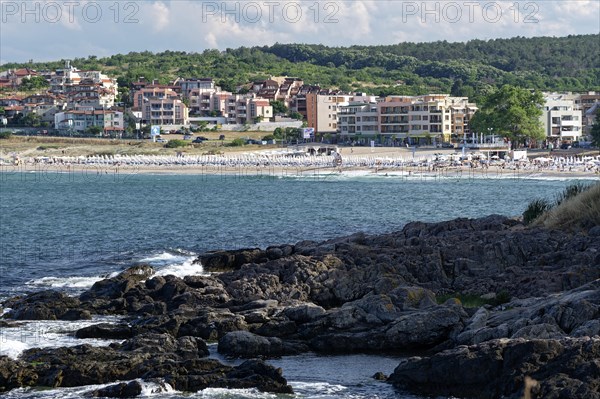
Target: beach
(392,162)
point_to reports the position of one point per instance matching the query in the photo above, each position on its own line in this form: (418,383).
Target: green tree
(512,112)
(595,132)
(33,83)
(94,130)
(296,115)
(278,107)
(32,119)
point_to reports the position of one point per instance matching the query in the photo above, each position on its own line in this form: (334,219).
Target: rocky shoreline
(536,329)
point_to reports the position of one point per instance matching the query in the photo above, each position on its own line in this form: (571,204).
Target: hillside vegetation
(470,69)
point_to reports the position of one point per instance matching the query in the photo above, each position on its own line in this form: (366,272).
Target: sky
(48,30)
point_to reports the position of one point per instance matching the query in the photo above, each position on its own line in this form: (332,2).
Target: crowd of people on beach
(429,163)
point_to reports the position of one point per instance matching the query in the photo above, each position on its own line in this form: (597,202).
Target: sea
(65,231)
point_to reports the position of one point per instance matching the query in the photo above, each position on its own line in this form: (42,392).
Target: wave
(48,334)
(323,388)
(149,389)
(76,282)
(179,264)
(226,393)
(185,268)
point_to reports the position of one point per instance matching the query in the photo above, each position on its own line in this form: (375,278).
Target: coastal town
(411,134)
(79,102)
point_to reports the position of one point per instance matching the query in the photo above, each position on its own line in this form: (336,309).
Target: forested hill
(547,63)
(552,56)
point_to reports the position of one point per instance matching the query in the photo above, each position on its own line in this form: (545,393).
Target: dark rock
(212,324)
(247,344)
(105,331)
(303,313)
(594,231)
(494,369)
(219,261)
(116,287)
(46,305)
(379,376)
(121,390)
(258,374)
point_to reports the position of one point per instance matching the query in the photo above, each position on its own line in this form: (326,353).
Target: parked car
(161,140)
(199,139)
(188,137)
(565,146)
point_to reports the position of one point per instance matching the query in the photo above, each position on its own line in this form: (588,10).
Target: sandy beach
(391,162)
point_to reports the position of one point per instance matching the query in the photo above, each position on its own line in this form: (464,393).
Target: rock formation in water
(538,320)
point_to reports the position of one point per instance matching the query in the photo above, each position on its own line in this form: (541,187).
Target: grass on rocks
(475,301)
(578,207)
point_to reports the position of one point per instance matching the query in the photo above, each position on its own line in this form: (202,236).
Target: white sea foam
(323,388)
(76,282)
(178,265)
(47,334)
(149,389)
(154,388)
(164,263)
(224,393)
(10,347)
(186,268)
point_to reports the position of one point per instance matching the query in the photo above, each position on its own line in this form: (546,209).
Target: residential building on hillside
(153,92)
(589,103)
(247,108)
(165,111)
(198,85)
(12,78)
(561,118)
(322,108)
(358,118)
(425,118)
(63,80)
(80,120)
(277,88)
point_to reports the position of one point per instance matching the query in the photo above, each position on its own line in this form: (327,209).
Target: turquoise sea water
(66,231)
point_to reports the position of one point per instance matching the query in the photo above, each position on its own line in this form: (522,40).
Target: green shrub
(177,143)
(5,135)
(48,147)
(237,142)
(535,209)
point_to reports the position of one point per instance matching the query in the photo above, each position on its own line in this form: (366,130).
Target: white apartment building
(322,109)
(235,108)
(64,79)
(357,119)
(561,118)
(241,109)
(165,111)
(81,119)
(424,118)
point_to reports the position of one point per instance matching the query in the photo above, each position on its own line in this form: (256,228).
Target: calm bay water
(65,231)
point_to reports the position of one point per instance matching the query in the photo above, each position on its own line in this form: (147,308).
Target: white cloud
(159,16)
(195,25)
